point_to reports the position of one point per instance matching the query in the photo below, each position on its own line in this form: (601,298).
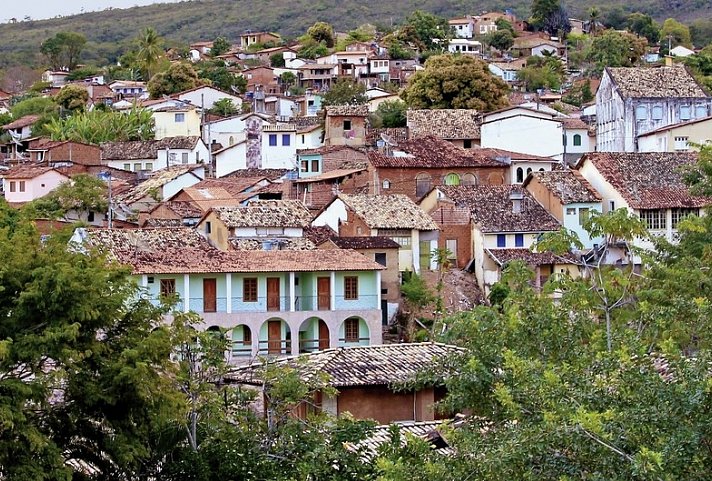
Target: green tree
(615,49)
(73,200)
(427,27)
(150,52)
(83,72)
(287,80)
(99,126)
(542,73)
(276,60)
(220,46)
(322,32)
(84,377)
(500,39)
(179,77)
(72,97)
(33,106)
(504,24)
(218,75)
(644,26)
(224,107)
(345,92)
(550,16)
(390,114)
(676,32)
(63,50)
(455,82)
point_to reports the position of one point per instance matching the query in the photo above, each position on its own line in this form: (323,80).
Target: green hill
(109,31)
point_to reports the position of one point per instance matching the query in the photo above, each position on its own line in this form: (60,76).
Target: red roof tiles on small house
(492,208)
(382,365)
(650,180)
(27,172)
(567,185)
(394,211)
(448,124)
(265,213)
(22,122)
(372,242)
(531,258)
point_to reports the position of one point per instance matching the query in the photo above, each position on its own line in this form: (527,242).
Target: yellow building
(677,137)
(183,121)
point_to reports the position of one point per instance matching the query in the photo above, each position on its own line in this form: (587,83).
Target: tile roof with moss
(491,208)
(185,251)
(381,365)
(444,123)
(567,185)
(265,213)
(649,180)
(393,211)
(659,82)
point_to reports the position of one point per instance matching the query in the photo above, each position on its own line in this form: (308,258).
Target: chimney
(668,61)
(516,198)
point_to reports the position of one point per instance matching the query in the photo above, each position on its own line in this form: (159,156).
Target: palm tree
(150,51)
(593,15)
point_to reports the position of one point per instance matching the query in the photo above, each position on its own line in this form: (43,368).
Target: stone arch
(469,179)
(354,331)
(275,337)
(314,335)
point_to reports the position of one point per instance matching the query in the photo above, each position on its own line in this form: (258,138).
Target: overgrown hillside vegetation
(109,31)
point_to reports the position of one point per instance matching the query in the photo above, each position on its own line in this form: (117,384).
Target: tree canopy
(345,92)
(63,50)
(179,77)
(455,82)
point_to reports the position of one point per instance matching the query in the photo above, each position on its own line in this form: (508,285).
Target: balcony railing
(275,347)
(277,303)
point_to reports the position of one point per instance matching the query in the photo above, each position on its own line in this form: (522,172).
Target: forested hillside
(108,31)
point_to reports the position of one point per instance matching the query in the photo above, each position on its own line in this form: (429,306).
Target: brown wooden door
(209,295)
(274,337)
(323,335)
(273,293)
(323,289)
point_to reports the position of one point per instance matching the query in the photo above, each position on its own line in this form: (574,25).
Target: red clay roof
(27,172)
(650,180)
(22,122)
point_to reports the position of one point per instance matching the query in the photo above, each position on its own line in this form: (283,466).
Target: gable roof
(372,242)
(648,180)
(531,258)
(491,208)
(28,172)
(569,186)
(347,110)
(433,153)
(444,123)
(145,149)
(393,211)
(265,213)
(22,122)
(660,82)
(359,365)
(158,179)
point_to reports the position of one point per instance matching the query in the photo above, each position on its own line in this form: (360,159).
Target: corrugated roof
(492,208)
(567,185)
(659,82)
(444,123)
(358,366)
(265,213)
(394,211)
(649,180)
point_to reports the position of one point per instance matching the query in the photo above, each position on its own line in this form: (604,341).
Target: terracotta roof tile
(270,174)
(650,180)
(144,149)
(25,121)
(395,211)
(358,366)
(319,234)
(492,209)
(444,123)
(282,243)
(432,152)
(656,82)
(531,258)
(27,172)
(158,179)
(395,134)
(373,242)
(184,251)
(569,186)
(347,110)
(265,213)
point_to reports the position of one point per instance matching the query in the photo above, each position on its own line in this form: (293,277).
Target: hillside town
(415,235)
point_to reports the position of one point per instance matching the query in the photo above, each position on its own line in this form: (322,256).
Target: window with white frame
(682,143)
(641,112)
(657,112)
(401,236)
(700,111)
(679,214)
(655,219)
(685,113)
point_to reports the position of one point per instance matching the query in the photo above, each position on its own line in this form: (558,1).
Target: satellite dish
(388,140)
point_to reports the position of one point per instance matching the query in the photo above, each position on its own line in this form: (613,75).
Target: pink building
(27,183)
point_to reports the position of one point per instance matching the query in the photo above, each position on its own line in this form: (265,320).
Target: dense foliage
(97,126)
